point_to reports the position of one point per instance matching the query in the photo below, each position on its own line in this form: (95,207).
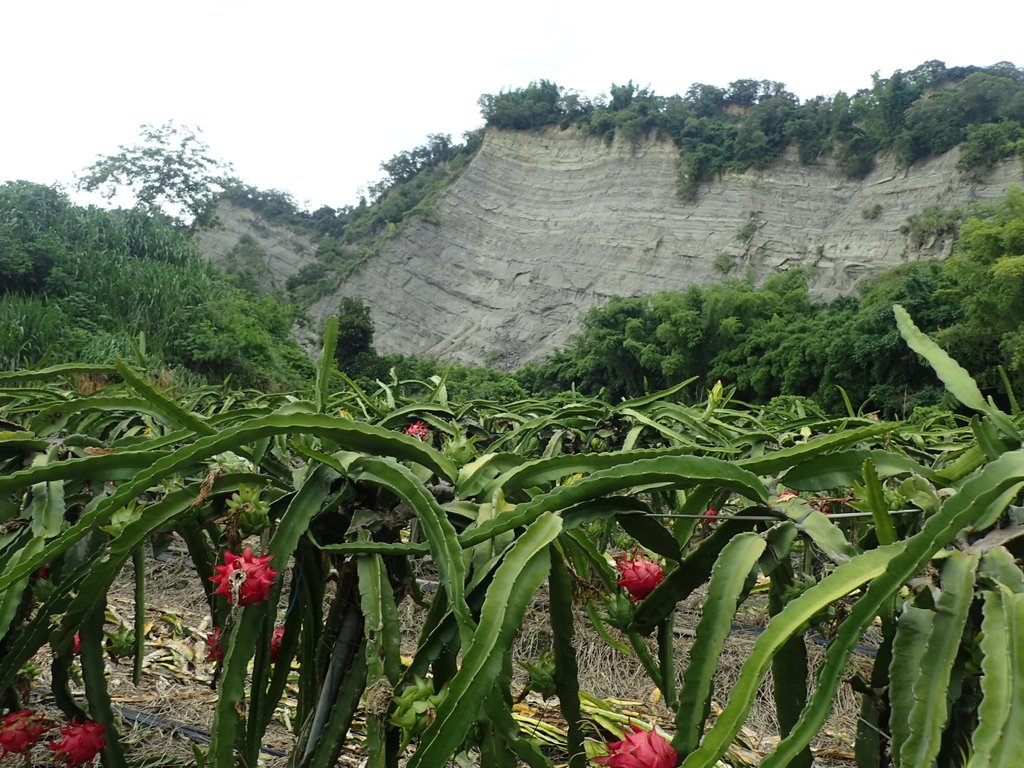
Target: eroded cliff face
(242,241)
(541,227)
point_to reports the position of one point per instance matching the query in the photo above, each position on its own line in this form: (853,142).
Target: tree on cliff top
(169,174)
(537,105)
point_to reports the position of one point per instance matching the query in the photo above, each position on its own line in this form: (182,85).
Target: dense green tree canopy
(85,284)
(748,124)
(538,104)
(355,331)
(773,340)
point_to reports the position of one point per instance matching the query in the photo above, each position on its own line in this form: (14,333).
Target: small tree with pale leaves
(169,174)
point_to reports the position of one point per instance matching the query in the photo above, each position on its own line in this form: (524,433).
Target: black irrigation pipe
(765,518)
(190,732)
(157,722)
(814,637)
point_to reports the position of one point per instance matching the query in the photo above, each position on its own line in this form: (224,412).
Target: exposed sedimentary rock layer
(542,226)
(242,240)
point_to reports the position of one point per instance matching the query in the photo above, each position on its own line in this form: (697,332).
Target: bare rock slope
(242,241)
(542,226)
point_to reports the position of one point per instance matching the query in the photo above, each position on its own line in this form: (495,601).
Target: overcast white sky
(310,96)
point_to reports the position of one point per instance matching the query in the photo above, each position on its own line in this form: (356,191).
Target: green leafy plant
(871,212)
(347,492)
(168,174)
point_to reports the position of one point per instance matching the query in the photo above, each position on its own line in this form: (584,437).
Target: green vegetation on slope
(89,285)
(347,236)
(85,284)
(82,284)
(915,114)
(774,340)
(357,358)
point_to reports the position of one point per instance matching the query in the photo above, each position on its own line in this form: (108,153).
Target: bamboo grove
(345,496)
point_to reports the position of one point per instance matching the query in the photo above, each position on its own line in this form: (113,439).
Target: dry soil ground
(172,707)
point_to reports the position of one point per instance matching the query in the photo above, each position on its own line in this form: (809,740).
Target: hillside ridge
(543,225)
